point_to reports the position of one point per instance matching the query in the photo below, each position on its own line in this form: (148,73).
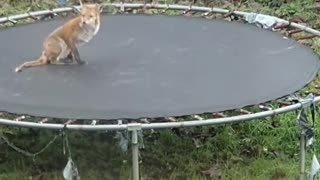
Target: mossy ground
(258,150)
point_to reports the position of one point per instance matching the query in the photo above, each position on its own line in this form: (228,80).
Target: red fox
(61,46)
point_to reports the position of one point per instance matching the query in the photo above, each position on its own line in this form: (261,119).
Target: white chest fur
(89,31)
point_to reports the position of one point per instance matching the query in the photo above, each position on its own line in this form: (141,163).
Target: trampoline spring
(20,118)
(315,92)
(70,121)
(187,10)
(219,114)
(294,19)
(147,6)
(44,120)
(208,13)
(198,117)
(283,26)
(307,37)
(171,119)
(93,122)
(12,21)
(294,31)
(283,103)
(122,7)
(144,120)
(165,9)
(131,10)
(49,15)
(264,108)
(32,16)
(229,14)
(75,9)
(243,111)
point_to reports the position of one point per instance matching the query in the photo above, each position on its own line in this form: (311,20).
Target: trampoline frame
(135,127)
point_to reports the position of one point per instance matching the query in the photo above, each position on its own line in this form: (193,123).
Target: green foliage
(245,148)
(14,7)
(296,8)
(258,149)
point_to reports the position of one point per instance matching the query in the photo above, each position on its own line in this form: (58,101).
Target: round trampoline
(153,66)
(148,66)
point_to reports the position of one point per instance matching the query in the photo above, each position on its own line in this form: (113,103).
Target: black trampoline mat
(153,66)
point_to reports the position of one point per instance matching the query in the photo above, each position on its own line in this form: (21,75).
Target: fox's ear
(100,7)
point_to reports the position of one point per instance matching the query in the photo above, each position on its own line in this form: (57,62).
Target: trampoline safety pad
(153,66)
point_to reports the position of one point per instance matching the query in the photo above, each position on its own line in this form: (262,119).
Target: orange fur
(61,46)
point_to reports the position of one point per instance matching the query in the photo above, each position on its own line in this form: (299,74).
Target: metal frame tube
(302,156)
(135,155)
(155,6)
(192,123)
(135,127)
(154,125)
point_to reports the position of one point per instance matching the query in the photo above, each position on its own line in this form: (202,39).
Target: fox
(61,45)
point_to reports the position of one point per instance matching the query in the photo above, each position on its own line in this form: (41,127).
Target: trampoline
(153,66)
(148,66)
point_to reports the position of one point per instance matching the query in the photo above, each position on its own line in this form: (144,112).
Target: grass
(257,150)
(255,170)
(248,150)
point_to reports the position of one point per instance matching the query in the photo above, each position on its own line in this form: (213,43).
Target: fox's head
(90,14)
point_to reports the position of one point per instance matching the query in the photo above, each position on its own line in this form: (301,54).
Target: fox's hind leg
(64,55)
(67,60)
(39,62)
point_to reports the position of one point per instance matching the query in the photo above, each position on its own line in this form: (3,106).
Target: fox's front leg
(75,53)
(76,56)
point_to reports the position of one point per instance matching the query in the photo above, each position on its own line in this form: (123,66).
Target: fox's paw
(67,60)
(82,62)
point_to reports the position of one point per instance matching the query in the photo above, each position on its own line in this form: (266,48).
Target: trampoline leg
(302,156)
(135,155)
(135,150)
